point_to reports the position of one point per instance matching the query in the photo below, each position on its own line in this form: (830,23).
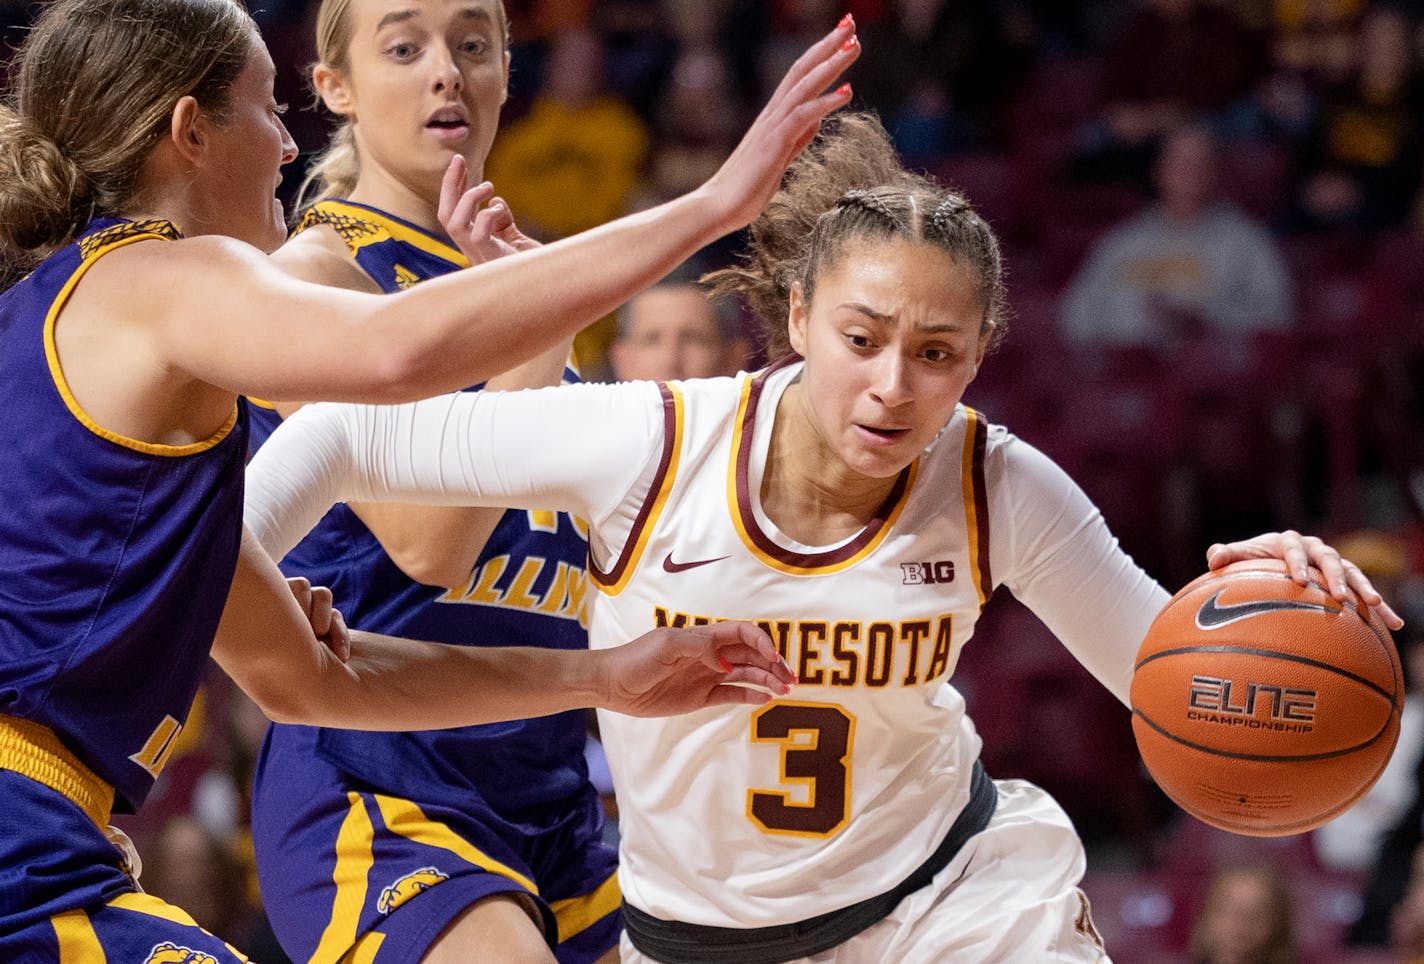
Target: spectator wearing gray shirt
(1191,263)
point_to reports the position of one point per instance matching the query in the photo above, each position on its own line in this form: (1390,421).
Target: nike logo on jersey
(1213,616)
(670,566)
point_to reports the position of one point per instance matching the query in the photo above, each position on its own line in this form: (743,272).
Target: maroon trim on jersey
(630,548)
(802,560)
(981,505)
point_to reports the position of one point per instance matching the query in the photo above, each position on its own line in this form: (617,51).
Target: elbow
(282,700)
(402,374)
(410,364)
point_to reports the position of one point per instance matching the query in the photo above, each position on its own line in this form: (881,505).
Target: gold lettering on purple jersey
(159,747)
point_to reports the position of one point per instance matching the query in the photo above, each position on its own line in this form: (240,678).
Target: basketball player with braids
(140,150)
(850,820)
(485,836)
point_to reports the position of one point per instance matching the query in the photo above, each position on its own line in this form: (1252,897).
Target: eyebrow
(943,329)
(401,16)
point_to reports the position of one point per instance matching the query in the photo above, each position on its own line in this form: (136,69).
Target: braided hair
(849,186)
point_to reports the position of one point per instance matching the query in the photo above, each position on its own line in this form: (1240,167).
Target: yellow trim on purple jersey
(359,226)
(92,253)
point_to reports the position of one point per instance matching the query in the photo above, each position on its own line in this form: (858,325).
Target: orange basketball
(1264,707)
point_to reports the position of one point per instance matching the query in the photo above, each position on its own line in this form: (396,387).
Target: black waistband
(674,942)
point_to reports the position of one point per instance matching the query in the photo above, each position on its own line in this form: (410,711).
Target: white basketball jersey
(837,791)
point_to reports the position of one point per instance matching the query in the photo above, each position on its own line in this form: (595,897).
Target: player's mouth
(881,435)
(449,123)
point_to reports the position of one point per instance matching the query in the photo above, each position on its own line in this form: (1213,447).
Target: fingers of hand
(756,676)
(827,48)
(492,219)
(302,590)
(465,210)
(745,644)
(501,218)
(321,610)
(338,637)
(452,185)
(736,695)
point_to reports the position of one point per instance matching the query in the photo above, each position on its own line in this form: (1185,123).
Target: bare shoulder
(141,279)
(320,256)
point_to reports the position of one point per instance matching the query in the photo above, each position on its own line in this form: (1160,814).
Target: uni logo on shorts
(407,887)
(170,953)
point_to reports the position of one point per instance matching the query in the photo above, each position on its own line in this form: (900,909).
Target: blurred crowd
(1213,223)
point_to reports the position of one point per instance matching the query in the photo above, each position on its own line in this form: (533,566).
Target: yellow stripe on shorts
(353,863)
(577,914)
(78,944)
(407,819)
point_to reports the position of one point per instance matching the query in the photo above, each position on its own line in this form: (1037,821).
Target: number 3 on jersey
(815,741)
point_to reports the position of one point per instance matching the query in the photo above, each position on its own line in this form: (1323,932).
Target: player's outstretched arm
(1300,552)
(266,643)
(449,332)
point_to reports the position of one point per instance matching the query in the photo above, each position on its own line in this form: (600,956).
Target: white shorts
(1010,895)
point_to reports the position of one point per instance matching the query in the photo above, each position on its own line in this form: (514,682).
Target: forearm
(471,325)
(399,684)
(576,448)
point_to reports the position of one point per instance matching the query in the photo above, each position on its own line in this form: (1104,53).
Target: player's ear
(334,89)
(188,130)
(504,89)
(796,319)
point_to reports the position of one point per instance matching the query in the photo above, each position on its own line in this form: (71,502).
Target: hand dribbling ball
(1264,707)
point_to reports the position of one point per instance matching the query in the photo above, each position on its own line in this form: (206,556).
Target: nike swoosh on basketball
(670,566)
(1213,616)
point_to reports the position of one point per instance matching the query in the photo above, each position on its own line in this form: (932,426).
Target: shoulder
(1015,466)
(320,256)
(149,274)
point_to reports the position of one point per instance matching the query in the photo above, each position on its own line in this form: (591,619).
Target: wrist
(586,676)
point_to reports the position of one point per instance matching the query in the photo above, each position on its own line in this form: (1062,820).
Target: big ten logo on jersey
(415,882)
(530,582)
(170,953)
(848,652)
(927,573)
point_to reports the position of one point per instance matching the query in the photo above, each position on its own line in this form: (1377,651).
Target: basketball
(1264,707)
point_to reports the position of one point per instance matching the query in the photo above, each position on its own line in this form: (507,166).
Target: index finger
(452,186)
(742,643)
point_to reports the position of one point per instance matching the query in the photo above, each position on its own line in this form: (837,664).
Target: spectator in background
(1246,919)
(941,73)
(697,121)
(1173,60)
(190,867)
(1360,166)
(1189,264)
(1315,38)
(1406,921)
(673,331)
(572,162)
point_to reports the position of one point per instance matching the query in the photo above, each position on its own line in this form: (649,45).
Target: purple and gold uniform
(349,827)
(117,555)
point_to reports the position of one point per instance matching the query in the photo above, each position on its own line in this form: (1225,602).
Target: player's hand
(326,620)
(670,671)
(747,180)
(480,224)
(1300,552)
